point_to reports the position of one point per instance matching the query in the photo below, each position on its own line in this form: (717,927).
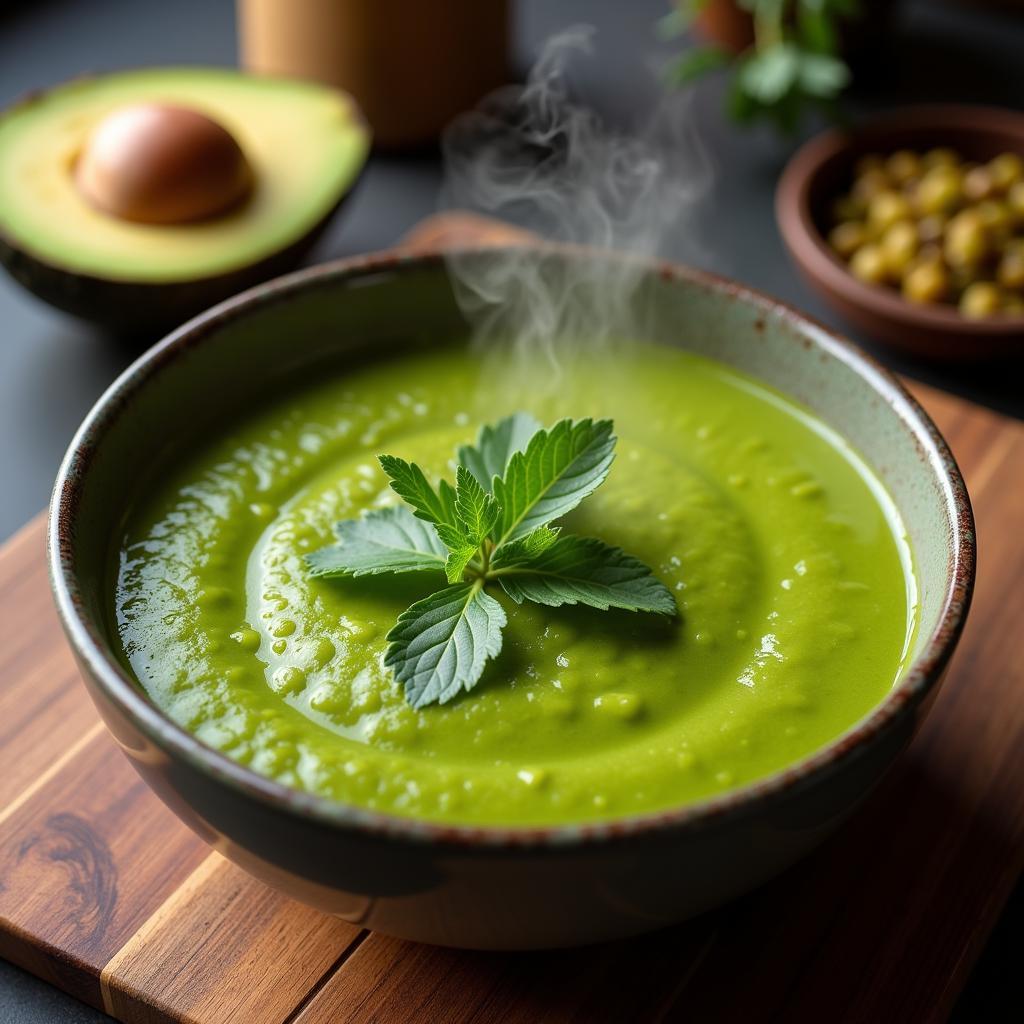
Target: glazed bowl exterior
(822,170)
(492,887)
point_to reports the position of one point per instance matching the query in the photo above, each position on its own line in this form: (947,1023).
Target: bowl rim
(811,250)
(118,687)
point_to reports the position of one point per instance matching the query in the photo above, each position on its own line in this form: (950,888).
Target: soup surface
(787,559)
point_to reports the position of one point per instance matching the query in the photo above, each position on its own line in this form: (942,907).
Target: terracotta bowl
(821,171)
(493,887)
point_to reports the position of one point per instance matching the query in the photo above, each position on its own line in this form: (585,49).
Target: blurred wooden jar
(411,65)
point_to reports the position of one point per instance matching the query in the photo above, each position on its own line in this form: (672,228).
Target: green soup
(787,559)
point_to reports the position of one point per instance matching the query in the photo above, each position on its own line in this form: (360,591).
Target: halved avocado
(305,144)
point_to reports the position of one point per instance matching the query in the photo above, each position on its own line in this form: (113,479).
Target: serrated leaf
(584,570)
(558,469)
(440,645)
(384,540)
(522,550)
(458,559)
(495,445)
(475,509)
(409,482)
(451,536)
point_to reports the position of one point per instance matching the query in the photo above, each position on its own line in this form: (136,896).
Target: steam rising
(532,156)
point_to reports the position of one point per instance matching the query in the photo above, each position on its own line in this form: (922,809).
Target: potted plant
(786,56)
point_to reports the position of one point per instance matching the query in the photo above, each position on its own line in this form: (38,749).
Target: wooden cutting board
(105,894)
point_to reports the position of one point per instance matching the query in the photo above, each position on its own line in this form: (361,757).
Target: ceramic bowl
(490,887)
(822,170)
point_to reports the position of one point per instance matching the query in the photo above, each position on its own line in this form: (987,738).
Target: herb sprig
(794,62)
(491,530)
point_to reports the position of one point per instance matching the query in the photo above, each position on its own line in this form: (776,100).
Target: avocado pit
(155,163)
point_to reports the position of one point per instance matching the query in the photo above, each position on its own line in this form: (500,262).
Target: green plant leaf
(769,74)
(584,570)
(522,550)
(451,536)
(476,510)
(495,445)
(440,645)
(384,540)
(411,485)
(558,469)
(458,558)
(697,63)
(817,31)
(823,76)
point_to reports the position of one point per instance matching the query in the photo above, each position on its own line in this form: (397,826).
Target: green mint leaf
(558,469)
(384,540)
(411,485)
(458,558)
(440,645)
(451,536)
(497,444)
(480,535)
(526,548)
(476,510)
(584,570)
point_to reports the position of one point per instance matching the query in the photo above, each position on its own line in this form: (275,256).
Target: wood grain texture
(49,710)
(252,954)
(105,894)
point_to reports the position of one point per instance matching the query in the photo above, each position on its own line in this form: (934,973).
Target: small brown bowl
(821,171)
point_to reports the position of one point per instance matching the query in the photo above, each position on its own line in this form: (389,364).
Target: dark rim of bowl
(124,692)
(810,247)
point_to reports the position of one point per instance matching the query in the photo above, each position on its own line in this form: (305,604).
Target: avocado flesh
(306,144)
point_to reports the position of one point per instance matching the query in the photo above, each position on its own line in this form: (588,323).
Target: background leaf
(696,63)
(558,469)
(384,540)
(769,74)
(822,75)
(584,570)
(440,645)
(495,445)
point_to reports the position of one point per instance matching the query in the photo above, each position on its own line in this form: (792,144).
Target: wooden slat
(251,953)
(48,710)
(83,862)
(104,893)
(404,983)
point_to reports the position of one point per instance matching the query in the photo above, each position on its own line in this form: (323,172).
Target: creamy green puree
(785,555)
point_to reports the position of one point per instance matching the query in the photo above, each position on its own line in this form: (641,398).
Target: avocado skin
(141,308)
